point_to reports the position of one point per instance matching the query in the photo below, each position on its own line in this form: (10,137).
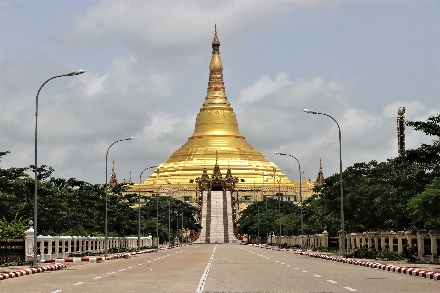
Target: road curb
(432,275)
(60,262)
(375,265)
(56,267)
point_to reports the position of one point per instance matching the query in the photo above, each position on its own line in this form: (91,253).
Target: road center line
(205,273)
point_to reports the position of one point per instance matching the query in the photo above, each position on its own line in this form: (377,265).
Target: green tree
(285,212)
(425,207)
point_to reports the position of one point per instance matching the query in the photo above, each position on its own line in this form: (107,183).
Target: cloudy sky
(147,66)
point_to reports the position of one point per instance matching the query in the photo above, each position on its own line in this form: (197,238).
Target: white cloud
(412,108)
(176,24)
(162,123)
(262,88)
(94,84)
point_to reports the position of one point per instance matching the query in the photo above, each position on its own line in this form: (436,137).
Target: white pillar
(421,234)
(29,244)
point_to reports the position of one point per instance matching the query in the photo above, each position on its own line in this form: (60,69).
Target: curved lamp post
(267,222)
(106,194)
(139,202)
(340,174)
(157,213)
(300,197)
(76,72)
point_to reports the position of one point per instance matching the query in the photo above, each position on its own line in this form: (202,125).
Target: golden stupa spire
(216,88)
(216,141)
(320,178)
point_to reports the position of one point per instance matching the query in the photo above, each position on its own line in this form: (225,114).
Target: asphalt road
(218,268)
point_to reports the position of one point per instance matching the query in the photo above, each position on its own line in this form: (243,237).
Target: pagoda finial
(216,87)
(320,178)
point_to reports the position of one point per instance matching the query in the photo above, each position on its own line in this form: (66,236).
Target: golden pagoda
(217,141)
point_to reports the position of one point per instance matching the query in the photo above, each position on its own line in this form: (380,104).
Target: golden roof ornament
(216,88)
(113,182)
(401,111)
(320,178)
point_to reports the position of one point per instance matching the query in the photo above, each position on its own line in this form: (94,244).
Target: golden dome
(216,137)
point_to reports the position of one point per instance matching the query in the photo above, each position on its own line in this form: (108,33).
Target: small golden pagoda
(217,141)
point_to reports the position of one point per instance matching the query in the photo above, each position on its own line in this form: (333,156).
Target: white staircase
(217,227)
(218,212)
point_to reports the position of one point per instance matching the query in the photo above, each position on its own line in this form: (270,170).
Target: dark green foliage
(326,249)
(289,217)
(408,254)
(74,207)
(399,194)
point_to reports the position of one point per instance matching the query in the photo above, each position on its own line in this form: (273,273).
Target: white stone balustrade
(428,242)
(53,247)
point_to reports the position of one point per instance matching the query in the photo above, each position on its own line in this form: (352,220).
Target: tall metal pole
(300,196)
(76,72)
(254,203)
(157,210)
(169,222)
(279,211)
(106,196)
(139,210)
(340,176)
(182,227)
(267,223)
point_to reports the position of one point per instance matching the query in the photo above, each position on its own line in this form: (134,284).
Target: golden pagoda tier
(217,140)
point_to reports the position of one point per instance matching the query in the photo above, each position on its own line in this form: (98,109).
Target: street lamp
(76,72)
(279,209)
(258,219)
(139,200)
(157,211)
(267,223)
(300,197)
(106,194)
(340,175)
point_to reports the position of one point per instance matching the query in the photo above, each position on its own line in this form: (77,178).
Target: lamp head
(310,111)
(129,138)
(281,154)
(76,72)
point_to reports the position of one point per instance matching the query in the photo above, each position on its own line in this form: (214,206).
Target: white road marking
(318,276)
(288,265)
(57,291)
(331,281)
(95,278)
(304,271)
(205,273)
(350,289)
(79,283)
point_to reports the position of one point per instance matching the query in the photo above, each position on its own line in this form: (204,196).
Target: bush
(408,254)
(325,249)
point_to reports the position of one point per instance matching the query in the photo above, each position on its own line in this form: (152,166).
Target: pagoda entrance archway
(217,186)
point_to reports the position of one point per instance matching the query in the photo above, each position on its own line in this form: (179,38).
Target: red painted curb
(409,271)
(4,276)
